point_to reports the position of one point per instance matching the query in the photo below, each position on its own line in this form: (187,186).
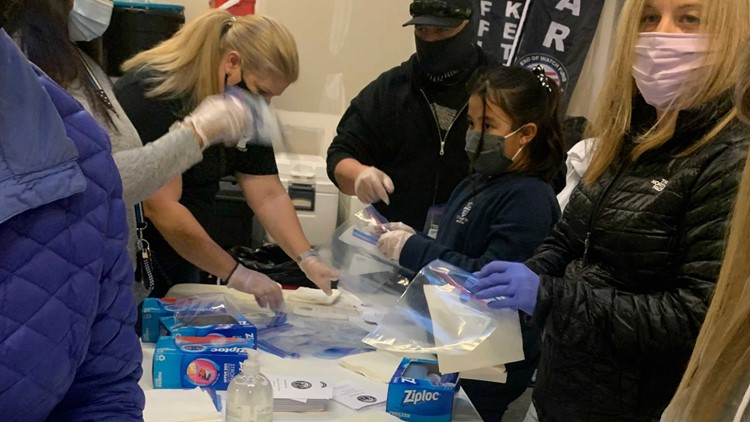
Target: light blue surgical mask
(491,160)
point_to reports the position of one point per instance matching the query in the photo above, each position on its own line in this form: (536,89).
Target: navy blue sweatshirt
(488,218)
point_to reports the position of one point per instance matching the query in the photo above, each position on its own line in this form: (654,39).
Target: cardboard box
(417,392)
(189,362)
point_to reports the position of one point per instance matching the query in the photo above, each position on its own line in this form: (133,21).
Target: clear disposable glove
(388,227)
(372,185)
(319,273)
(511,285)
(266,291)
(391,243)
(221,119)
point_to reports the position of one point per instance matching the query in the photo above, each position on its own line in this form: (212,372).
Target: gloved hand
(319,272)
(265,290)
(512,285)
(372,185)
(391,243)
(389,227)
(221,119)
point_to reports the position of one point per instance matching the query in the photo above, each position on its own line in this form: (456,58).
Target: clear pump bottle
(249,395)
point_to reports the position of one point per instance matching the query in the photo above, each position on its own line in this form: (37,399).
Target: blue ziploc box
(417,392)
(189,362)
(209,324)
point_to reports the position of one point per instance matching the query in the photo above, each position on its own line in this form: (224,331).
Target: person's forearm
(268,199)
(346,173)
(279,218)
(145,169)
(186,236)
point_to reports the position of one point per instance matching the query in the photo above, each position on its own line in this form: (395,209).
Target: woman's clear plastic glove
(319,272)
(266,291)
(391,243)
(221,119)
(389,227)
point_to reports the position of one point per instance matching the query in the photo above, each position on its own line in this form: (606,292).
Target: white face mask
(89,19)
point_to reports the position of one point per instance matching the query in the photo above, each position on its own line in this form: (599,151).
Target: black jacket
(390,125)
(627,274)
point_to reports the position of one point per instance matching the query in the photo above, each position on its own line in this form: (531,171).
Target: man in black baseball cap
(450,13)
(400,144)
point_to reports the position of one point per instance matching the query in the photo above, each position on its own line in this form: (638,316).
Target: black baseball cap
(448,13)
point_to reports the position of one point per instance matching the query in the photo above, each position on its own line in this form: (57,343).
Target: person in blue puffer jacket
(505,208)
(68,350)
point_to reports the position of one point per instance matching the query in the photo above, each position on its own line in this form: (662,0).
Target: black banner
(555,34)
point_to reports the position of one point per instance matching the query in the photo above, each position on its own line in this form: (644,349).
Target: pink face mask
(662,63)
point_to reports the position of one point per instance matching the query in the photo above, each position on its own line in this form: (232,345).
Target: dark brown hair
(40,27)
(525,98)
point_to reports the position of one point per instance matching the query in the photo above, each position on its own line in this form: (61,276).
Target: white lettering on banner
(512,10)
(509,31)
(484,26)
(557,34)
(507,48)
(573,5)
(484,7)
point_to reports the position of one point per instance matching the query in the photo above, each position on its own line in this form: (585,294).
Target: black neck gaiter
(447,60)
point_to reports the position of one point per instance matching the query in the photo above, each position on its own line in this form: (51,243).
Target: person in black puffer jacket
(622,285)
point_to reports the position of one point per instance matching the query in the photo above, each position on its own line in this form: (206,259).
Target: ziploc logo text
(227,349)
(416,397)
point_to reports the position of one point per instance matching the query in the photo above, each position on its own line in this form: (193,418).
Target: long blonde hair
(725,20)
(187,65)
(721,358)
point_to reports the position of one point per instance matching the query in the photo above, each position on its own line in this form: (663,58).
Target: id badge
(432,223)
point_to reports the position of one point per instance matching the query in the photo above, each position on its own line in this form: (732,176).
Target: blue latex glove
(511,285)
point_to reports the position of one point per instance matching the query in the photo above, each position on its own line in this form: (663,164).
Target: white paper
(314,296)
(300,388)
(195,405)
(494,374)
(357,396)
(451,317)
(503,345)
(378,366)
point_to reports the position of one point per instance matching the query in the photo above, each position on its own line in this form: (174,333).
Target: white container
(314,196)
(249,394)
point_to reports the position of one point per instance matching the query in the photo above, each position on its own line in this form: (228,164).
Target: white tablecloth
(183,410)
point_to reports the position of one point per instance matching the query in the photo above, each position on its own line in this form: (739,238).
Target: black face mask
(241,84)
(447,60)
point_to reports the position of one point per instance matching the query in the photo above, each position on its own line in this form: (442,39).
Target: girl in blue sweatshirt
(505,208)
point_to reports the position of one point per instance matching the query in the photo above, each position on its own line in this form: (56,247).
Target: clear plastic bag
(364,271)
(209,314)
(294,336)
(266,127)
(437,314)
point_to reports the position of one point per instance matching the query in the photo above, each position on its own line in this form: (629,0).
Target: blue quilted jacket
(68,351)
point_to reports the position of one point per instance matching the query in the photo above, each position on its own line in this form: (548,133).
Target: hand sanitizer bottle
(250,395)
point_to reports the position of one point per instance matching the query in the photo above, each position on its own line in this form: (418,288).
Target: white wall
(343,45)
(192,7)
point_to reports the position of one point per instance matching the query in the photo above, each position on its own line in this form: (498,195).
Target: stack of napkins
(300,394)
